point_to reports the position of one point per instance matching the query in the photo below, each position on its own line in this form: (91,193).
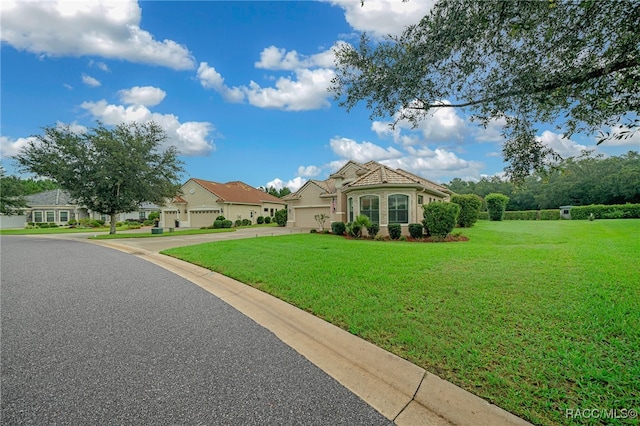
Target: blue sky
(240,87)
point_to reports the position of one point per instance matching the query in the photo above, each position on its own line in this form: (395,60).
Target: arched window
(370,207)
(398,208)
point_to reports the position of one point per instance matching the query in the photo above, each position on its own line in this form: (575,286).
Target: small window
(64,216)
(51,217)
(142,215)
(420,199)
(37,217)
(350,207)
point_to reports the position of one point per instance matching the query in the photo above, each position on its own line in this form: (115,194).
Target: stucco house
(201,201)
(57,206)
(383,194)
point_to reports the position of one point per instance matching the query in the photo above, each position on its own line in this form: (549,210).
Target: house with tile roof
(383,194)
(201,201)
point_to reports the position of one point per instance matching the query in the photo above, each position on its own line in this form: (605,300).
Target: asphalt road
(91,335)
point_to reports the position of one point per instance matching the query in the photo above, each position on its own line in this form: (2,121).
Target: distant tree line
(584,180)
(276,192)
(13,189)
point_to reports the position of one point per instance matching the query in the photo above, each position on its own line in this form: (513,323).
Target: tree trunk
(112,229)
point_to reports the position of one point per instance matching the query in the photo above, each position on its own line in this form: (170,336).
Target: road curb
(401,391)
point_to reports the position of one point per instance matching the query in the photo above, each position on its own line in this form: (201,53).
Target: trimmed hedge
(395,230)
(469,208)
(601,211)
(551,214)
(496,205)
(415,230)
(338,228)
(440,218)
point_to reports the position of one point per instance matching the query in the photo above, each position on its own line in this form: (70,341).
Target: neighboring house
(383,194)
(57,206)
(202,201)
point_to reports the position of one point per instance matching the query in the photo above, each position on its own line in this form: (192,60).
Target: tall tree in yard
(573,64)
(109,171)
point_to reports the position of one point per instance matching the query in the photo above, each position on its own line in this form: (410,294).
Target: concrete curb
(401,391)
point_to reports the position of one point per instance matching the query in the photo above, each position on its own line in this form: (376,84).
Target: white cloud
(491,133)
(68,86)
(146,95)
(563,146)
(309,171)
(11,147)
(293,184)
(190,138)
(306,92)
(275,58)
(90,81)
(362,152)
(633,140)
(383,17)
(211,79)
(439,125)
(100,65)
(105,28)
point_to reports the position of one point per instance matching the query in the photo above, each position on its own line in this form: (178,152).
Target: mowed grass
(536,317)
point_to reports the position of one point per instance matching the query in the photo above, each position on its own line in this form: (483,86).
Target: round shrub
(395,230)
(373,230)
(496,205)
(469,209)
(217,224)
(281,217)
(338,228)
(238,222)
(267,219)
(227,223)
(260,220)
(415,230)
(440,218)
(220,218)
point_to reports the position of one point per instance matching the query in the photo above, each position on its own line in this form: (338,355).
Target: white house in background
(202,201)
(57,206)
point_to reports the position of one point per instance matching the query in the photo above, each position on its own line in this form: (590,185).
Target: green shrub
(496,204)
(281,217)
(246,222)
(260,220)
(483,216)
(601,211)
(220,218)
(469,208)
(53,225)
(313,231)
(440,218)
(217,224)
(373,230)
(118,224)
(238,222)
(100,222)
(551,214)
(227,223)
(267,219)
(338,228)
(73,222)
(148,222)
(30,223)
(395,230)
(43,225)
(154,216)
(380,237)
(403,238)
(415,230)
(354,229)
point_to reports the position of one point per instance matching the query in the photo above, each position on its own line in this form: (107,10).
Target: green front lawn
(536,317)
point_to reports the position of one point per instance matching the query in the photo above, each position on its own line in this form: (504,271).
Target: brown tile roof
(425,182)
(237,192)
(380,174)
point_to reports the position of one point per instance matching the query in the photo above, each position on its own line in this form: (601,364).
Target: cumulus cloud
(633,139)
(383,17)
(362,152)
(309,171)
(563,146)
(293,184)
(442,124)
(105,28)
(100,65)
(146,95)
(211,79)
(10,147)
(90,81)
(275,58)
(190,138)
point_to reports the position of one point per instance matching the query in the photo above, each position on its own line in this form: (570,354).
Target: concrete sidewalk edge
(401,391)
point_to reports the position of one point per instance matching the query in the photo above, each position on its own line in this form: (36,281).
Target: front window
(37,217)
(51,217)
(141,215)
(64,216)
(370,207)
(350,209)
(398,208)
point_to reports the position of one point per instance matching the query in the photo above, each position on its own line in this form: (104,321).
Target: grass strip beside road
(536,317)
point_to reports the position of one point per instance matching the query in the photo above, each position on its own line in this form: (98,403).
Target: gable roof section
(349,165)
(326,187)
(380,174)
(237,192)
(429,184)
(54,197)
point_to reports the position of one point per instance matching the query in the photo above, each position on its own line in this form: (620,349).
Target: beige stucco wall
(301,211)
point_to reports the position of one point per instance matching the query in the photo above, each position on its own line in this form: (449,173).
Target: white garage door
(202,218)
(305,217)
